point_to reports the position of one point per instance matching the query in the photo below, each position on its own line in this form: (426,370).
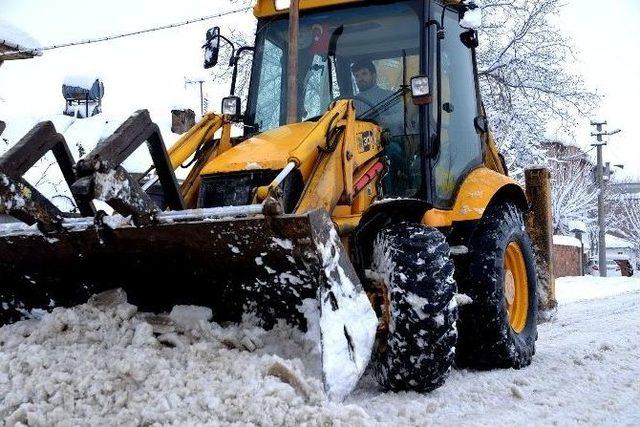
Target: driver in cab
(371,95)
(389,115)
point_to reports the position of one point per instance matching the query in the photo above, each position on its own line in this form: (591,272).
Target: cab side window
(269,102)
(460,144)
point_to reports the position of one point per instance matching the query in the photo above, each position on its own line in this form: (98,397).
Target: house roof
(16,44)
(617,242)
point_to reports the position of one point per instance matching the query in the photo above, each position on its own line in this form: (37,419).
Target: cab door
(459,149)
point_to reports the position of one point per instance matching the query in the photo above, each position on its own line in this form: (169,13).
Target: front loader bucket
(270,266)
(233,259)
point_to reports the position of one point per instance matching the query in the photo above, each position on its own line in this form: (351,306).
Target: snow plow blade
(278,267)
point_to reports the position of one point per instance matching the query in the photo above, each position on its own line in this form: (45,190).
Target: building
(16,44)
(619,249)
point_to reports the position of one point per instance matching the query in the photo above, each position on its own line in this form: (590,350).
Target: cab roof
(265,8)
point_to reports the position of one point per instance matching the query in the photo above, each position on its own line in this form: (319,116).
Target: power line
(132,33)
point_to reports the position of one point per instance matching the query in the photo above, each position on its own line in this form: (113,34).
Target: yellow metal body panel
(267,8)
(473,197)
(188,143)
(328,176)
(268,150)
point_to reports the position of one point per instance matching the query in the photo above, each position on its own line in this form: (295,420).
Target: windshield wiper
(385,104)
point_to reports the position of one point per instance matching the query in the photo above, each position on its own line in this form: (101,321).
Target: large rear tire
(416,353)
(498,328)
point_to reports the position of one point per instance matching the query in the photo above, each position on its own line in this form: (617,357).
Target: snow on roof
(84,81)
(617,242)
(566,241)
(17,39)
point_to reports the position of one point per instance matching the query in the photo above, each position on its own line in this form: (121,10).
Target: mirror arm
(234,62)
(233,48)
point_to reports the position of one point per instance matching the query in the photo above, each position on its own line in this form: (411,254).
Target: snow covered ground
(104,363)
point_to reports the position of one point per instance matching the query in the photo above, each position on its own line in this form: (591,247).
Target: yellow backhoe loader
(365,199)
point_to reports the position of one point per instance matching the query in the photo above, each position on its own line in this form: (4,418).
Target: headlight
(231,106)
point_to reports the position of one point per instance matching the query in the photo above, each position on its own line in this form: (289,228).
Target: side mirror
(469,38)
(420,92)
(211,47)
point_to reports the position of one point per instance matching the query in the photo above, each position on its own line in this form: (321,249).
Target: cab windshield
(376,53)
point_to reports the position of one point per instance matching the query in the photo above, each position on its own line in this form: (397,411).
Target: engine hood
(268,150)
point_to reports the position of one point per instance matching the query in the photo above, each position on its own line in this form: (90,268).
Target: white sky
(148,71)
(607,38)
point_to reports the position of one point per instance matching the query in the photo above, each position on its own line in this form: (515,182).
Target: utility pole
(602,245)
(201,82)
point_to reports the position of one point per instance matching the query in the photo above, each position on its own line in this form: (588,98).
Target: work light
(231,106)
(420,90)
(282,4)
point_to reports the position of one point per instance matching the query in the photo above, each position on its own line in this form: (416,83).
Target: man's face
(365,79)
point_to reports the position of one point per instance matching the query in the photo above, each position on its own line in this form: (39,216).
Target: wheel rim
(516,287)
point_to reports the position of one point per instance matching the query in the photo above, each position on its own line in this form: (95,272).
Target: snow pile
(16,38)
(105,363)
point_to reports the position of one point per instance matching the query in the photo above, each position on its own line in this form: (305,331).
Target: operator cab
(369,53)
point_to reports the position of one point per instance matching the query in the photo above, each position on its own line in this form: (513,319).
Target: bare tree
(629,221)
(624,216)
(574,194)
(240,36)
(525,83)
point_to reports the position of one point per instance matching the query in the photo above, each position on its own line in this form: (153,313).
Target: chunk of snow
(188,316)
(84,81)
(283,243)
(418,303)
(463,299)
(566,241)
(459,250)
(472,18)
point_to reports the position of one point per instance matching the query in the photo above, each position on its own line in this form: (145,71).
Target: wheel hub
(516,287)
(509,287)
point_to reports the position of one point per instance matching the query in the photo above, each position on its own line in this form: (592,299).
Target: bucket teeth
(20,200)
(120,191)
